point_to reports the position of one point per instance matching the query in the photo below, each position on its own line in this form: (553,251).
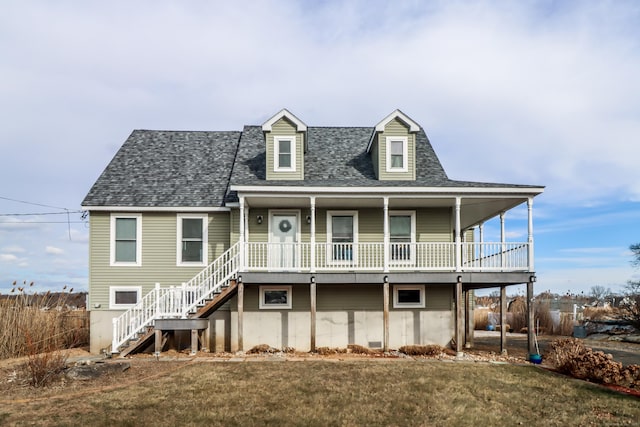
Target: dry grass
(330,393)
(425,350)
(33,323)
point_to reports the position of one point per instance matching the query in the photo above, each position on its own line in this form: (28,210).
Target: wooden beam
(459,333)
(194,341)
(158,343)
(503,319)
(530,319)
(240,314)
(312,292)
(385,315)
(468,318)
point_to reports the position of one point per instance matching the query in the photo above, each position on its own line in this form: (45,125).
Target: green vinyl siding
(284,127)
(439,297)
(433,225)
(300,299)
(158,263)
(396,128)
(370,225)
(349,297)
(375,158)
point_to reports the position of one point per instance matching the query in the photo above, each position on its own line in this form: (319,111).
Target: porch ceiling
(474,209)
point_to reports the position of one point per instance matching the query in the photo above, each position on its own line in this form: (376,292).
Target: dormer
(285,136)
(393,148)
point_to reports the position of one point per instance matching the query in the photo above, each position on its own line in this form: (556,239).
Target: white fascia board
(253,190)
(155,209)
(413,126)
(300,126)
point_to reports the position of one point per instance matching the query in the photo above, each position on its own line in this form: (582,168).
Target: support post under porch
(240,313)
(468,318)
(459,333)
(313,294)
(503,319)
(385,314)
(530,318)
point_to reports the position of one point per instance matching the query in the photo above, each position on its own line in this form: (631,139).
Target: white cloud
(14,249)
(52,250)
(8,257)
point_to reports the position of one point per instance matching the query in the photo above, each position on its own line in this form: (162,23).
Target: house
(293,236)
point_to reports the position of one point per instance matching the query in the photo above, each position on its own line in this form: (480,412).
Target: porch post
(385,313)
(385,238)
(459,335)
(468,319)
(530,317)
(530,233)
(457,230)
(503,319)
(312,252)
(240,313)
(242,233)
(481,237)
(502,240)
(312,292)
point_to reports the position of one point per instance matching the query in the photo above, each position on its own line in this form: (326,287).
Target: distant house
(293,236)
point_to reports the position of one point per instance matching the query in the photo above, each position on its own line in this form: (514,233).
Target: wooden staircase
(146,338)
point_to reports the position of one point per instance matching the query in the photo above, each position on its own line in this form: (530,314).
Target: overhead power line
(32,203)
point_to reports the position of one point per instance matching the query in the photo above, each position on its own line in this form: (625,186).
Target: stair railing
(175,301)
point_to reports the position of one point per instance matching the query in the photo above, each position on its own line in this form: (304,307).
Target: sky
(523,92)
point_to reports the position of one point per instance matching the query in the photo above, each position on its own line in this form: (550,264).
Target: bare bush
(42,367)
(358,349)
(262,348)
(570,356)
(326,351)
(425,350)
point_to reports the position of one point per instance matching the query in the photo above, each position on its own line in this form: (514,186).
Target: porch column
(530,317)
(457,231)
(468,319)
(242,233)
(481,237)
(459,318)
(385,314)
(530,233)
(503,319)
(312,295)
(502,240)
(312,252)
(240,313)
(385,238)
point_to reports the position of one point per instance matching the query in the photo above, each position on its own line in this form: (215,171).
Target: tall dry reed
(35,323)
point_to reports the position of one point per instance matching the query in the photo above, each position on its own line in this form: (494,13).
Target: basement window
(275,297)
(122,297)
(408,296)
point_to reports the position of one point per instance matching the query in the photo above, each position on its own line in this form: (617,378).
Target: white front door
(283,237)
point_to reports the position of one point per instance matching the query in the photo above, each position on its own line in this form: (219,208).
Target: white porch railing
(432,256)
(175,301)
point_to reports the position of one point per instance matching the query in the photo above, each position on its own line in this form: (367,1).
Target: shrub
(325,351)
(262,348)
(570,356)
(425,350)
(358,349)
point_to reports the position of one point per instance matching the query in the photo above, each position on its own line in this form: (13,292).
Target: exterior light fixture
(533,279)
(313,279)
(259,219)
(386,279)
(308,219)
(459,279)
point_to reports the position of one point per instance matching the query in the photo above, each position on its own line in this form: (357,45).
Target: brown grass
(36,323)
(330,393)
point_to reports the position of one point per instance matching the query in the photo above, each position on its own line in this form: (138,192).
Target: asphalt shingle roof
(195,169)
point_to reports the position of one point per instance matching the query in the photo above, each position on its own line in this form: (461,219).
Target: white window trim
(276,151)
(405,153)
(112,239)
(414,247)
(354,255)
(112,296)
(205,240)
(397,304)
(286,306)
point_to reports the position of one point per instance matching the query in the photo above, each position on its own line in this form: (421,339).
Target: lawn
(369,392)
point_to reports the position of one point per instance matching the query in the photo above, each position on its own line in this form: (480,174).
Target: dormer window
(397,154)
(285,153)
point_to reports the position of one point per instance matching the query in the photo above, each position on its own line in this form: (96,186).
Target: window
(342,229)
(285,153)
(124,296)
(192,239)
(397,154)
(275,297)
(402,235)
(126,232)
(408,296)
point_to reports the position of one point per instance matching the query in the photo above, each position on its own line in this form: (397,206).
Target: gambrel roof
(196,169)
